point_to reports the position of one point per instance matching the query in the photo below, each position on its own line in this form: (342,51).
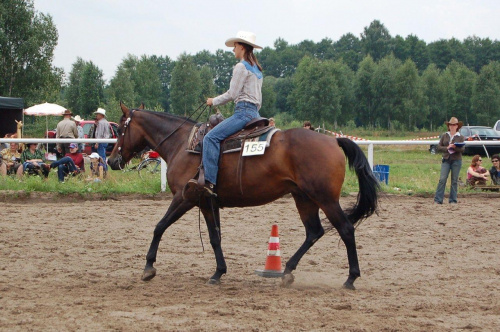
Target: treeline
(374,80)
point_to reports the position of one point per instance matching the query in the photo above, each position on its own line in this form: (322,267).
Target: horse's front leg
(210,211)
(177,209)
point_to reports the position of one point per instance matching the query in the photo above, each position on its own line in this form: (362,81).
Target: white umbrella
(45,109)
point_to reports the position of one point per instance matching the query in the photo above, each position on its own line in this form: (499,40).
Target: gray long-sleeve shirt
(244,86)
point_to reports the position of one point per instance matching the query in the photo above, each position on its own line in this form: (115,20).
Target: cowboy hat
(454,120)
(100,111)
(77,118)
(243,37)
(67,112)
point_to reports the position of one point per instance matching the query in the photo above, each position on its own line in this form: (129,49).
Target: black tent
(11,109)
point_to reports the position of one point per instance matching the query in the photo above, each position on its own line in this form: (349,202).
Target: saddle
(255,129)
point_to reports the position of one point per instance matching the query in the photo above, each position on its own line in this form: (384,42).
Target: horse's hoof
(348,285)
(213,281)
(287,280)
(148,274)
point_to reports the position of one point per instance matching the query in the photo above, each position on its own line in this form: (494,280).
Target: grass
(413,170)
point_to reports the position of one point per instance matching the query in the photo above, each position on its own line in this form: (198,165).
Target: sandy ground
(68,266)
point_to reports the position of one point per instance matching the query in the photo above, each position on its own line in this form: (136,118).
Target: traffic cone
(272,268)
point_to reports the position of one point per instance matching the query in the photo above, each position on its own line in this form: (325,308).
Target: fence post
(370,155)
(163,170)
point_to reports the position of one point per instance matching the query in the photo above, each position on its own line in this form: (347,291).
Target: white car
(496,127)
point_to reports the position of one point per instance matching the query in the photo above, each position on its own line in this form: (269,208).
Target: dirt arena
(424,268)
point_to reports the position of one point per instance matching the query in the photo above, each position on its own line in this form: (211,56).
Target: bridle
(129,119)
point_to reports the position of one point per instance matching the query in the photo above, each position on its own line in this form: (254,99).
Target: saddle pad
(232,144)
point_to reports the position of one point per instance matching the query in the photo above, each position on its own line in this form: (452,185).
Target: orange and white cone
(272,268)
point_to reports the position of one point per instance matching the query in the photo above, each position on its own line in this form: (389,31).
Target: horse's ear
(124,108)
(142,106)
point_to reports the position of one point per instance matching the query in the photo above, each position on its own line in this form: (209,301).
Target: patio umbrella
(45,109)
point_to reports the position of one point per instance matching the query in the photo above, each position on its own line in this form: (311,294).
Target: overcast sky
(105,31)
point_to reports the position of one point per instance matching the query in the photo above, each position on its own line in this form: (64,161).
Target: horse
(308,165)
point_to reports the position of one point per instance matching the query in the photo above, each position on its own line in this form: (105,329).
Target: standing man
(65,129)
(81,134)
(101,131)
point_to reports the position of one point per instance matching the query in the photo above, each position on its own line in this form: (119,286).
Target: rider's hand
(210,101)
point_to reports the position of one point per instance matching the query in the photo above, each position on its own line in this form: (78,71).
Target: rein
(129,119)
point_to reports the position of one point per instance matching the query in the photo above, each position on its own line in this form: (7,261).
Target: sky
(105,31)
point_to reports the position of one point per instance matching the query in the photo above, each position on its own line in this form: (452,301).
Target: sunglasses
(479,160)
(494,161)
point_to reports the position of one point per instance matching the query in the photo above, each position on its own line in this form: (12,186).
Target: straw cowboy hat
(67,112)
(454,120)
(243,37)
(77,118)
(101,111)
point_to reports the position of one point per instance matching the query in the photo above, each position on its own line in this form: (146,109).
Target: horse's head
(130,139)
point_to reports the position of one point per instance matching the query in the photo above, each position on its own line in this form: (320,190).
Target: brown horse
(309,165)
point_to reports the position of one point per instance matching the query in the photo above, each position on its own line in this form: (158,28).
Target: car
(88,128)
(477,133)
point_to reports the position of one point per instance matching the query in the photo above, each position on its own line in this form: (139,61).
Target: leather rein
(129,119)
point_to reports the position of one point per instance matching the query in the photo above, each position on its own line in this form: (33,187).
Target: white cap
(94,155)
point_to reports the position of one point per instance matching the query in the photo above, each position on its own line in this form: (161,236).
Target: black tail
(367,201)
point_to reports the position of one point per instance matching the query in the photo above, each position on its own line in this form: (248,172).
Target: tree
(91,90)
(27,40)
(409,95)
(316,94)
(486,100)
(433,94)
(147,83)
(376,40)
(268,108)
(383,85)
(85,91)
(364,93)
(186,86)
(207,84)
(348,48)
(464,81)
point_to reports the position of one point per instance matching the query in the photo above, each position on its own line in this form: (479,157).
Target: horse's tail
(367,200)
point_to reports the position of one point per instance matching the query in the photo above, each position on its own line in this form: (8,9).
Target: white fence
(370,144)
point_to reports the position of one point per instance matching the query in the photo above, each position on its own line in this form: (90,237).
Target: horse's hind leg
(309,213)
(346,231)
(210,211)
(176,210)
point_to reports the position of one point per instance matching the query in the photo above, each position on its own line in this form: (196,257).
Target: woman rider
(245,91)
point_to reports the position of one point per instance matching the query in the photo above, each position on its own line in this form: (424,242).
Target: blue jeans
(64,166)
(447,166)
(101,151)
(243,112)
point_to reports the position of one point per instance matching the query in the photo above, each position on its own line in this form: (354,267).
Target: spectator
(97,166)
(72,163)
(307,125)
(477,174)
(33,160)
(451,161)
(10,161)
(101,131)
(66,128)
(495,170)
(81,134)
(272,123)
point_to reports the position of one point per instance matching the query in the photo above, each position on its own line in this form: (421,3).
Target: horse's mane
(168,115)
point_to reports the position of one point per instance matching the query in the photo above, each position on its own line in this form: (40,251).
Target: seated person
(72,163)
(477,174)
(33,160)
(97,166)
(308,125)
(10,162)
(495,170)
